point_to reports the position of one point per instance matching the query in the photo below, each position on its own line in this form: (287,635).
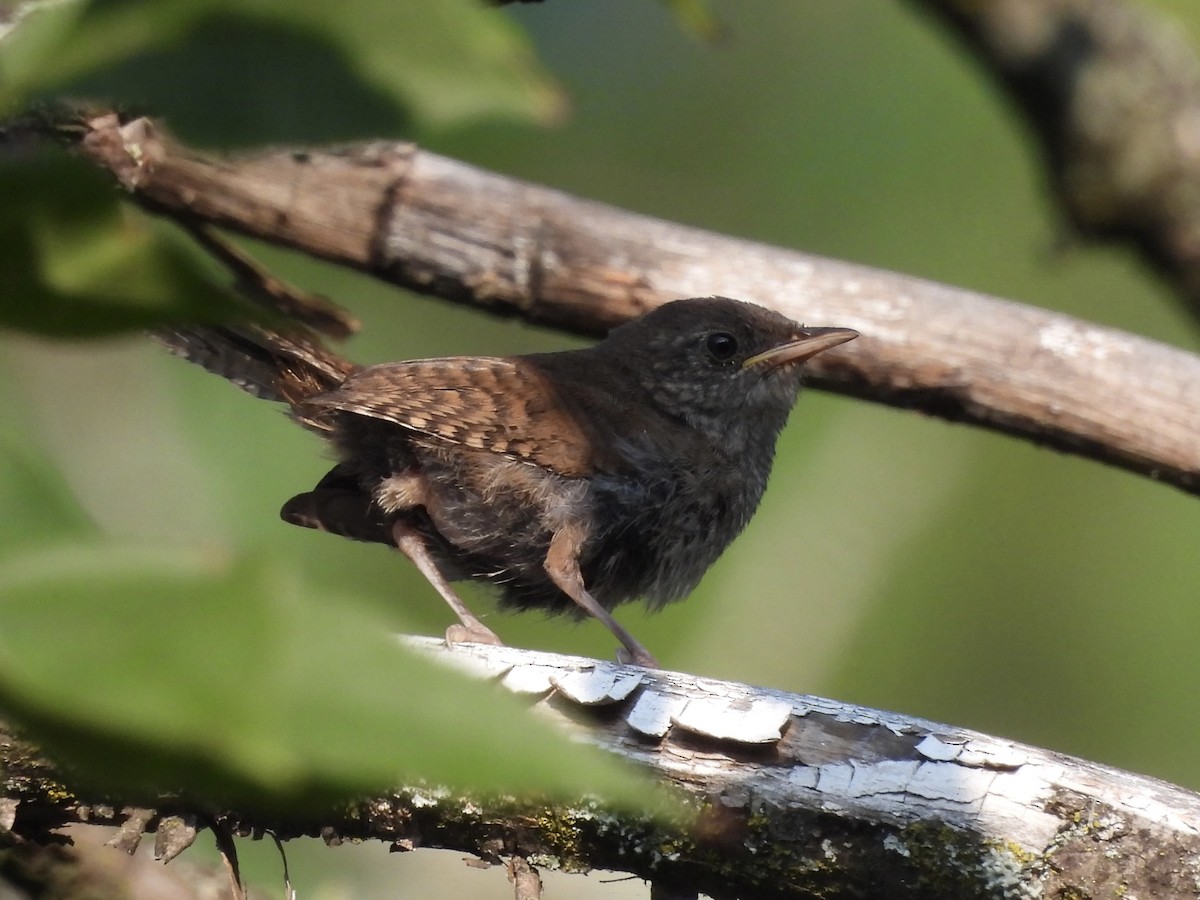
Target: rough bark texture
(440,226)
(785,796)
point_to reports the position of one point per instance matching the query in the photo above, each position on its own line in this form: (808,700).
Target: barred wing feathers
(502,405)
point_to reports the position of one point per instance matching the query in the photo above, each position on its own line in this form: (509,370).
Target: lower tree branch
(784,796)
(439,226)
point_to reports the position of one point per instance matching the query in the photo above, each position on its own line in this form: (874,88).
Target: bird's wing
(500,405)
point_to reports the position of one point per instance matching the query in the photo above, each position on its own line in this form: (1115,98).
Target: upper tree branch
(443,227)
(1111,90)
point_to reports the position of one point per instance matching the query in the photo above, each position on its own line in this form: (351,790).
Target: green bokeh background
(897,561)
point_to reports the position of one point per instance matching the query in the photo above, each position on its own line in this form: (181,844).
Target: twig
(228,850)
(271,293)
(289,892)
(527,883)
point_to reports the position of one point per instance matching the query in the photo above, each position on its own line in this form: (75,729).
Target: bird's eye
(721,346)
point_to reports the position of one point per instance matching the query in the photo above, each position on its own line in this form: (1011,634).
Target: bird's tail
(287,367)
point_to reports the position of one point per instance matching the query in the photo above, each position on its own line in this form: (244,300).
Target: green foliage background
(897,561)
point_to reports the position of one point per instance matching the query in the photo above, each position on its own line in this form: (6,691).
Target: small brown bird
(572,481)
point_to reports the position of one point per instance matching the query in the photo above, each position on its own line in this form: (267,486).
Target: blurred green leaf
(695,17)
(149,669)
(73,262)
(37,504)
(446,62)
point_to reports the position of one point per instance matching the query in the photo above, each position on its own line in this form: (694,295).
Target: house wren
(572,481)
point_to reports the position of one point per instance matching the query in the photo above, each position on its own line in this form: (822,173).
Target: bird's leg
(412,545)
(562,565)
(408,490)
(338,505)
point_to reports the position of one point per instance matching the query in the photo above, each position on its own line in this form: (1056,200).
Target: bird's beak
(809,343)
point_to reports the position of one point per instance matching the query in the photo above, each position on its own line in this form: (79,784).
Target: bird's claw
(472,634)
(639,657)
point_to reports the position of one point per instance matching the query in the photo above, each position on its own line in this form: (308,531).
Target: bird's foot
(476,633)
(639,657)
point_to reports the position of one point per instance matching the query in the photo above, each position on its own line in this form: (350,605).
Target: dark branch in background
(785,796)
(445,228)
(1111,90)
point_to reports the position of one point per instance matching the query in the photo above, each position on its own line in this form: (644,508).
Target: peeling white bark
(1042,821)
